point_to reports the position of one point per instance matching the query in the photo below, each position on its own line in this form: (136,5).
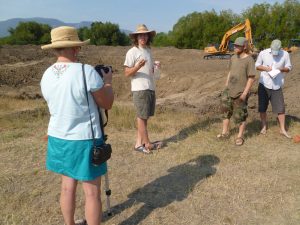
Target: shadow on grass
(253,127)
(190,130)
(161,192)
(290,118)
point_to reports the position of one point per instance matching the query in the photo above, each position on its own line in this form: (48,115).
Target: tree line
(195,30)
(35,33)
(268,22)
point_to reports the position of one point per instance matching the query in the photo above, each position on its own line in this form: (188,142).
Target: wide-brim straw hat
(142,29)
(64,37)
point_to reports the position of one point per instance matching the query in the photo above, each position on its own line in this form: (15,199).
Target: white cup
(157,64)
(156,70)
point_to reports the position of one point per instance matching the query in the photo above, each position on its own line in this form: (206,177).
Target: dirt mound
(187,81)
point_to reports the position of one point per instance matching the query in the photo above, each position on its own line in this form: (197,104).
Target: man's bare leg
(139,140)
(242,128)
(263,118)
(240,140)
(281,119)
(142,133)
(225,129)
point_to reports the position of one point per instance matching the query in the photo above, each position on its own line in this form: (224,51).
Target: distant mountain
(5,25)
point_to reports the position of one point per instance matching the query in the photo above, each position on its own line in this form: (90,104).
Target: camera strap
(87,99)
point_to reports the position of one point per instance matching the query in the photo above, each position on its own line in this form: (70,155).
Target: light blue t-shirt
(62,86)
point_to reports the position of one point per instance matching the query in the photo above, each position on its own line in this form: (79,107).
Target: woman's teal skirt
(73,158)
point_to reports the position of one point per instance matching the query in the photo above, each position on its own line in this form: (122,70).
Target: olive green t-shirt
(240,70)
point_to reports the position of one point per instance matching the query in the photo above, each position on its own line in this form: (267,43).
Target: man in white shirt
(139,66)
(273,64)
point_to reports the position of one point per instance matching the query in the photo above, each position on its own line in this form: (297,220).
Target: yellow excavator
(222,52)
(294,45)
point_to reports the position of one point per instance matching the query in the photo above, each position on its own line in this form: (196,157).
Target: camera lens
(98,68)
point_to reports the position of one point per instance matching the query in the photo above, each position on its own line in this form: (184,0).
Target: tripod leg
(107,193)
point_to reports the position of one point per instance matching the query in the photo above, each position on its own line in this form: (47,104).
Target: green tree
(197,30)
(278,21)
(5,40)
(163,40)
(107,34)
(84,33)
(30,33)
(292,23)
(188,30)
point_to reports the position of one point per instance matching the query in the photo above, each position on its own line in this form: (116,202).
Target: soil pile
(188,82)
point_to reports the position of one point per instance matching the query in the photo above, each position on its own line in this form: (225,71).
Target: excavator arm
(222,51)
(246,27)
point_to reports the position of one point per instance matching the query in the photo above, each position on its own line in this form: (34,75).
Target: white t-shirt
(143,79)
(62,86)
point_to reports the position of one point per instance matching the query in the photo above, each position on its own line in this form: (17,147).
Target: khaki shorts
(266,95)
(144,102)
(233,107)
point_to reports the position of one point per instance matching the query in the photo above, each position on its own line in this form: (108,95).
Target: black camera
(101,154)
(104,68)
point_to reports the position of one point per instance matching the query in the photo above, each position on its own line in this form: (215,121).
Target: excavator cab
(211,48)
(231,46)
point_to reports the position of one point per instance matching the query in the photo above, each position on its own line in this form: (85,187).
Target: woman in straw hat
(69,134)
(139,66)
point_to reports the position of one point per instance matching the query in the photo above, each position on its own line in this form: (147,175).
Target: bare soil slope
(187,81)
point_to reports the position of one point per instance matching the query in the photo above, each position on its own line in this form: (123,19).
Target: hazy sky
(160,15)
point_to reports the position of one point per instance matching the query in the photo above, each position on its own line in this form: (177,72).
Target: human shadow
(253,128)
(290,118)
(175,186)
(190,130)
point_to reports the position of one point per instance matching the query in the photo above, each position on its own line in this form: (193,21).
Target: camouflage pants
(233,107)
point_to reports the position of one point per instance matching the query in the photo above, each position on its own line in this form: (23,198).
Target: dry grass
(193,180)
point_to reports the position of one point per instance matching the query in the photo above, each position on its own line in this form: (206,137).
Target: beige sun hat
(142,29)
(64,37)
